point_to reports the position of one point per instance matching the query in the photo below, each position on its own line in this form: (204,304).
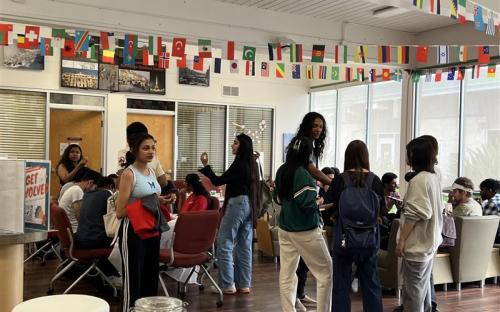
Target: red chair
(179,184)
(86,257)
(193,238)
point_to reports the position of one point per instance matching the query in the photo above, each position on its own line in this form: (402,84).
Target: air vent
(230,91)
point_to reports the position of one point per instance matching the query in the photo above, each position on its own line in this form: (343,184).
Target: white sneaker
(116,281)
(355,285)
(226,291)
(299,306)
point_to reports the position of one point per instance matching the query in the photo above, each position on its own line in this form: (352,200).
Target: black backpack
(357,227)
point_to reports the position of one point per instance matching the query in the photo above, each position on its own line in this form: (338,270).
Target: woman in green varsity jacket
(300,234)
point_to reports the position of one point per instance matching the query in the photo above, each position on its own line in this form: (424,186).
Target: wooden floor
(265,292)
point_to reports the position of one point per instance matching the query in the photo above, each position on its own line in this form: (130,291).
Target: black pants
(140,261)
(301,272)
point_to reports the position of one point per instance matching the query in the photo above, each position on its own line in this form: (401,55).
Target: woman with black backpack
(358,202)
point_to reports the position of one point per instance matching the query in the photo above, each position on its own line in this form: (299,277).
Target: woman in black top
(357,168)
(71,167)
(237,224)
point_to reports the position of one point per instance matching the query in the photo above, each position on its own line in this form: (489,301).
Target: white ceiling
(352,11)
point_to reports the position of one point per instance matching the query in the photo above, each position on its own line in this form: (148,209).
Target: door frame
(102,109)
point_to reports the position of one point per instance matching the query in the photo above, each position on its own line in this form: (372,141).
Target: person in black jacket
(236,228)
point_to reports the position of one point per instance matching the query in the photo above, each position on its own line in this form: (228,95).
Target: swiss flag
(31,38)
(69,49)
(422,52)
(179,47)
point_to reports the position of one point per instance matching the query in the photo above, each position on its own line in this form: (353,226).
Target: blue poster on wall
(36,195)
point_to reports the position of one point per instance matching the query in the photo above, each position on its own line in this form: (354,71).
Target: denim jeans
(235,232)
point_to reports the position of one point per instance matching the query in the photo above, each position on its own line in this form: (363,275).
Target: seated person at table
(91,232)
(198,200)
(71,199)
(490,192)
(462,198)
(391,196)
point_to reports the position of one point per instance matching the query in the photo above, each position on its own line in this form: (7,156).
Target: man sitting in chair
(462,197)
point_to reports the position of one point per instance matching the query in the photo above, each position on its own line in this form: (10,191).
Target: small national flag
(360,74)
(296,71)
(280,70)
(250,68)
(129,49)
(68,50)
(373,75)
(91,52)
(384,54)
(309,72)
(233,67)
(491,70)
(228,51)
(398,75)
(4,33)
(322,72)
(462,54)
(490,28)
(182,62)
(348,74)
(437,75)
(264,69)
(361,52)
(318,53)
(403,54)
(249,53)
(386,74)
(428,76)
(422,52)
(442,57)
(336,54)
(345,54)
(478,18)
(45,47)
(147,59)
(82,40)
(31,38)
(462,11)
(335,73)
(204,48)
(104,40)
(438,7)
(451,73)
(483,53)
(179,47)
(274,51)
(418,3)
(453,8)
(198,63)
(460,73)
(159,48)
(164,60)
(108,56)
(296,52)
(152,45)
(59,33)
(415,76)
(217,65)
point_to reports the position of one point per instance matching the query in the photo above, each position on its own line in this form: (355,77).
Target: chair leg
(398,293)
(219,303)
(459,286)
(495,280)
(80,278)
(115,291)
(37,251)
(62,264)
(445,287)
(59,274)
(163,284)
(481,283)
(58,254)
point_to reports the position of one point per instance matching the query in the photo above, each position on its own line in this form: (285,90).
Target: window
(352,104)
(76,99)
(325,103)
(438,107)
(22,124)
(200,128)
(481,132)
(258,124)
(384,126)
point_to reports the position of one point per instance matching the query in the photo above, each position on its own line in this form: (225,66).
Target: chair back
(63,227)
(195,231)
(179,184)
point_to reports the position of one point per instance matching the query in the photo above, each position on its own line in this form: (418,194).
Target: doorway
(73,126)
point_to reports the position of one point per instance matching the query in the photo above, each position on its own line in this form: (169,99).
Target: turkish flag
(422,54)
(179,47)
(69,49)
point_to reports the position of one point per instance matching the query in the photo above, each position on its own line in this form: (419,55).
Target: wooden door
(81,127)
(161,127)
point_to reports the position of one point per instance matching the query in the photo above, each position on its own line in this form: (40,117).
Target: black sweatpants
(140,262)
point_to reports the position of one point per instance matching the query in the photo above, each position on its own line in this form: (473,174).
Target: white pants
(311,246)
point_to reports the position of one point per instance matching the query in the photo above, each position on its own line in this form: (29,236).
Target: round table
(12,265)
(63,303)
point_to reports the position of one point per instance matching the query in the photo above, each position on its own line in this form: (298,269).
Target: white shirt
(71,196)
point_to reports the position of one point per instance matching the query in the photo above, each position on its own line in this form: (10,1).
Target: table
(63,303)
(12,265)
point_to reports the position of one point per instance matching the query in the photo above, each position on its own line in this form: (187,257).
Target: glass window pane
(325,103)
(351,120)
(481,127)
(438,106)
(385,127)
(76,99)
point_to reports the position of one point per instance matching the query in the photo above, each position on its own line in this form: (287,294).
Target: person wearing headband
(462,196)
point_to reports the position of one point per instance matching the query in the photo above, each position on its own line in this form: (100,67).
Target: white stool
(63,303)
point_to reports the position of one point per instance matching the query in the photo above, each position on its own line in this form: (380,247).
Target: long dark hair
(297,155)
(357,158)
(305,129)
(421,155)
(65,157)
(245,155)
(135,142)
(194,181)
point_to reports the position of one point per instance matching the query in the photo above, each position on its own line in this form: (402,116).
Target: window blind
(258,124)
(200,128)
(22,124)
